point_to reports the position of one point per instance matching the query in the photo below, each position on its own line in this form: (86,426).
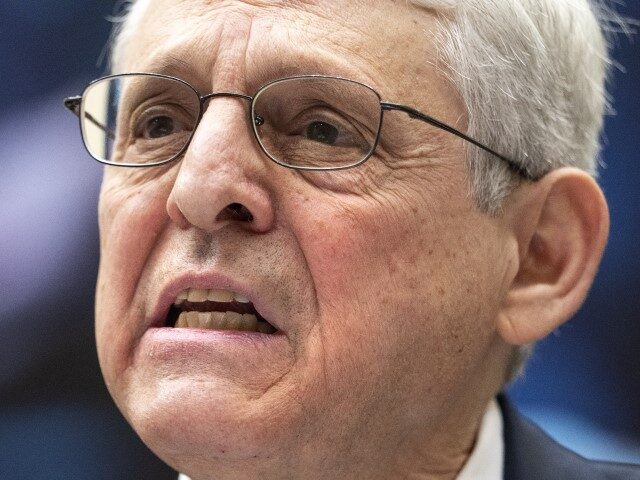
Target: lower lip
(212,346)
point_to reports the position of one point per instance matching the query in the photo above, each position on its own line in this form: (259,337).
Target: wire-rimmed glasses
(308,122)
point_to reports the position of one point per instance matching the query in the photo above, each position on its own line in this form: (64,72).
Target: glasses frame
(76,105)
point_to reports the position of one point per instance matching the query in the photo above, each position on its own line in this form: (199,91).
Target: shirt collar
(487,458)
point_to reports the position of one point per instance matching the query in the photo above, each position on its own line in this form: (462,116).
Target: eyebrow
(264,71)
(170,65)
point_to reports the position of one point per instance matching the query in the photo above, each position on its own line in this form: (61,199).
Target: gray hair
(532,75)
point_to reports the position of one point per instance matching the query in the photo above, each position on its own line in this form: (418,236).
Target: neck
(444,451)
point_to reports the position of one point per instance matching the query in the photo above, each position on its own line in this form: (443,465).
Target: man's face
(383,280)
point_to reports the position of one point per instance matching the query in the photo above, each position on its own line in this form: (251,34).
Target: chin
(182,421)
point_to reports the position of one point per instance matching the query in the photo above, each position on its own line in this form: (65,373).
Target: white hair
(125,21)
(532,76)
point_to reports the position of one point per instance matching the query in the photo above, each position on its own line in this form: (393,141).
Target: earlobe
(561,238)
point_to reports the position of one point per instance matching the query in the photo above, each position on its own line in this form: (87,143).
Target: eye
(158,127)
(322,132)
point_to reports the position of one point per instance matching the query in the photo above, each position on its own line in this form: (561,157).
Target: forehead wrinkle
(352,54)
(301,46)
(285,54)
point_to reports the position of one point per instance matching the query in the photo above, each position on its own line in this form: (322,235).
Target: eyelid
(352,123)
(359,140)
(141,113)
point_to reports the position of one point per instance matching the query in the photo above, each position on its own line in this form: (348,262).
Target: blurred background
(56,417)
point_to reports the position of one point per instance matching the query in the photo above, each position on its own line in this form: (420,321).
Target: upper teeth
(221,317)
(197,295)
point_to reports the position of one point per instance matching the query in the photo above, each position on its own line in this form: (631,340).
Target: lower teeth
(223,321)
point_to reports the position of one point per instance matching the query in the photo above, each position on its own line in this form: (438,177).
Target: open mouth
(216,310)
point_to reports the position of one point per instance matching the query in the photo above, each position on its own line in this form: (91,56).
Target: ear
(561,225)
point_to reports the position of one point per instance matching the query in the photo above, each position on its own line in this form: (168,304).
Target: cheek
(396,301)
(131,217)
(362,259)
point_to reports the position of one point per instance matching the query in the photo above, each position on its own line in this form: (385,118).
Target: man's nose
(222,174)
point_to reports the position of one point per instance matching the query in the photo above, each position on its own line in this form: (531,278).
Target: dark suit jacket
(531,455)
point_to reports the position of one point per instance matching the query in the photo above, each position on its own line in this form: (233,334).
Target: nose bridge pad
(235,211)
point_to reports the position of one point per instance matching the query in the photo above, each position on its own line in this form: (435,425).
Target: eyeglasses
(309,122)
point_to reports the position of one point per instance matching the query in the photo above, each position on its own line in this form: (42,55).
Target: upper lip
(206,281)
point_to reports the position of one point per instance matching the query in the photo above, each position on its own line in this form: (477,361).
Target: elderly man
(330,230)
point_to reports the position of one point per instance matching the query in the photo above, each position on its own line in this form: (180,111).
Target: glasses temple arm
(73,104)
(519,169)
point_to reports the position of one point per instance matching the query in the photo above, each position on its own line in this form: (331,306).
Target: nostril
(235,211)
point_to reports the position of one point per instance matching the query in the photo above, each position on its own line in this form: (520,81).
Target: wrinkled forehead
(380,42)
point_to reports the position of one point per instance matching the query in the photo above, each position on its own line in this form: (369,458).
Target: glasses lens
(138,119)
(317,122)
